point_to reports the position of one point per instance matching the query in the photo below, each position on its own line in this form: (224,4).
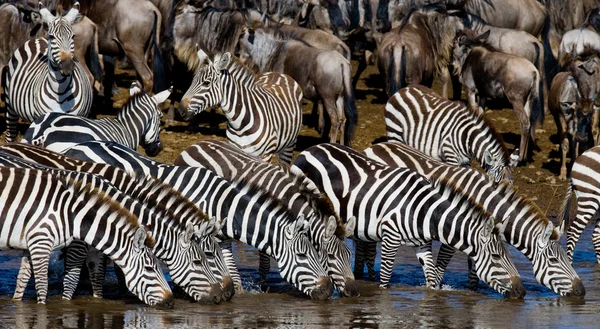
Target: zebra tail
(563,219)
(350,110)
(158,65)
(94,57)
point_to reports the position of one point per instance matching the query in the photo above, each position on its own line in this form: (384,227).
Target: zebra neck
(59,84)
(236,96)
(131,124)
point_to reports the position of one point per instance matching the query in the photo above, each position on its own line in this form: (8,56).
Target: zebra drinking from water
(527,228)
(447,131)
(138,123)
(397,206)
(263,111)
(40,212)
(326,230)
(43,76)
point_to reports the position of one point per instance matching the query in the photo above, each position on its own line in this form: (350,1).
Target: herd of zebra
(78,183)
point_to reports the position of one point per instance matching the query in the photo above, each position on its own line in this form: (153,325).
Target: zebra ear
(162,96)
(72,14)
(501,227)
(136,88)
(189,232)
(221,225)
(350,226)
(331,227)
(296,228)
(47,16)
(139,239)
(546,235)
(222,61)
(487,157)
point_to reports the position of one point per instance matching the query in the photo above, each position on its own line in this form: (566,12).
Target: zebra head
(496,168)
(552,267)
(300,264)
(143,275)
(60,39)
(492,262)
(205,90)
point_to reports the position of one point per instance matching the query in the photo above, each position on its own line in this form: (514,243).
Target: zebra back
(446,130)
(527,228)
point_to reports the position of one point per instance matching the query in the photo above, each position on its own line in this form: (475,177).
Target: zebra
(527,228)
(43,76)
(326,230)
(176,239)
(397,206)
(200,280)
(447,131)
(251,216)
(584,180)
(40,212)
(137,123)
(263,111)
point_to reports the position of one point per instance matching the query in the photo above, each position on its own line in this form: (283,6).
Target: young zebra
(527,228)
(586,183)
(176,238)
(326,230)
(43,76)
(264,111)
(40,212)
(397,206)
(137,123)
(447,131)
(163,202)
(251,216)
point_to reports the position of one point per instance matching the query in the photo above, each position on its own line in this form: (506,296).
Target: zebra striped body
(40,212)
(138,123)
(165,205)
(527,228)
(586,183)
(445,130)
(263,111)
(176,231)
(294,189)
(43,76)
(251,216)
(397,206)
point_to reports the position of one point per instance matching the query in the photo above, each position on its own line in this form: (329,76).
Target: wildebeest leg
(445,80)
(482,104)
(318,108)
(138,60)
(339,104)
(334,117)
(561,126)
(595,127)
(362,66)
(109,78)
(526,130)
(472,101)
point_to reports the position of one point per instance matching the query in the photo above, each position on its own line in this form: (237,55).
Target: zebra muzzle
(67,66)
(153,149)
(578,289)
(350,288)
(215,293)
(168,301)
(228,288)
(516,290)
(323,289)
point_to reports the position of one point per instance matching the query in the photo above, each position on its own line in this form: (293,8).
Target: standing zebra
(447,131)
(39,212)
(251,216)
(326,230)
(586,183)
(263,111)
(163,202)
(527,228)
(397,206)
(138,123)
(43,76)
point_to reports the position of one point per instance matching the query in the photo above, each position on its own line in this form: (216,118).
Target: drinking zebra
(527,228)
(447,131)
(252,216)
(397,206)
(39,212)
(263,111)
(186,226)
(584,180)
(138,123)
(43,76)
(326,230)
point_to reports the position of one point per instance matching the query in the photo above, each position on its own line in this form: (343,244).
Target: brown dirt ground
(537,180)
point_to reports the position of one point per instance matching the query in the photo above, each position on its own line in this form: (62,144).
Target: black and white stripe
(251,216)
(326,230)
(40,212)
(138,123)
(397,206)
(264,111)
(43,76)
(447,131)
(527,228)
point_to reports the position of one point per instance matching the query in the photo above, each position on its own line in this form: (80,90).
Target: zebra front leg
(389,249)
(370,253)
(425,257)
(443,259)
(364,254)
(40,260)
(76,253)
(285,155)
(23,276)
(230,262)
(596,240)
(12,120)
(263,269)
(96,264)
(473,278)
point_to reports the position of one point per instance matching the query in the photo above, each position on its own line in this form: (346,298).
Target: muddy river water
(405,304)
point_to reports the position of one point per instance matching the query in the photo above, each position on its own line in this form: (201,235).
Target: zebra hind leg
(75,256)
(443,259)
(96,263)
(596,240)
(370,254)
(425,257)
(389,250)
(40,260)
(359,259)
(586,208)
(263,270)
(23,277)
(473,278)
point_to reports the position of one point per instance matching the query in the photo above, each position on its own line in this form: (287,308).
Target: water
(405,304)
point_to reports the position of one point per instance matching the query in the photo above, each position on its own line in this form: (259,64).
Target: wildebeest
(325,76)
(418,50)
(490,73)
(572,123)
(574,42)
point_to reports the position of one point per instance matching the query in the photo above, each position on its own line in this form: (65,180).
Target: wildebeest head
(205,90)
(60,38)
(593,19)
(326,16)
(585,69)
(466,39)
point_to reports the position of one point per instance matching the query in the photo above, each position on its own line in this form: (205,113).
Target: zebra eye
(496,257)
(197,263)
(206,83)
(302,256)
(209,254)
(553,260)
(149,268)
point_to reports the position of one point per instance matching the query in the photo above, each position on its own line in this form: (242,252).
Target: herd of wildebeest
(77,183)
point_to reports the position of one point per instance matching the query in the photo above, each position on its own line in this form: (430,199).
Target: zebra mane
(94,194)
(241,72)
